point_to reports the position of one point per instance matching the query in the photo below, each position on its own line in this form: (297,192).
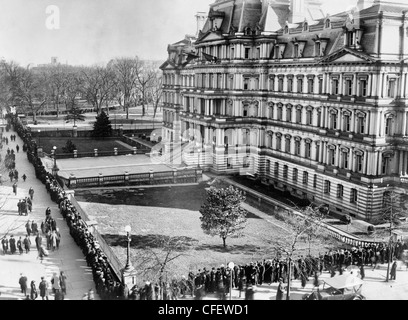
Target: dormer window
(298,47)
(327,24)
(248,31)
(320,46)
(305,26)
(279,50)
(286,30)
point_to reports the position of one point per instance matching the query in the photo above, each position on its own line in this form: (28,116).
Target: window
(271,84)
(359,162)
(348,87)
(270,113)
(289,114)
(309,117)
(246,83)
(305,26)
(232,53)
(268,167)
(295,175)
(297,148)
(279,143)
(351,38)
(385,165)
(299,85)
(305,177)
(335,86)
(308,148)
(310,85)
(340,191)
(269,140)
(320,85)
(363,88)
(327,186)
(246,111)
(280,113)
(391,88)
(280,85)
(353,195)
(315,181)
(290,84)
(344,159)
(388,126)
(276,169)
(327,24)
(332,157)
(360,125)
(247,50)
(346,122)
(333,121)
(285,171)
(287,145)
(295,50)
(299,115)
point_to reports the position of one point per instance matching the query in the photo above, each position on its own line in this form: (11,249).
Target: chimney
(201,17)
(297,9)
(364,4)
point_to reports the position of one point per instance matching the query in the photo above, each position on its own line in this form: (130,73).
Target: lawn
(82,144)
(159,213)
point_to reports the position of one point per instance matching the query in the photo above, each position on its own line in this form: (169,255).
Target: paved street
(68,258)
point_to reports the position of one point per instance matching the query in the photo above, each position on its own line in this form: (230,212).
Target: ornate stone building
(311,104)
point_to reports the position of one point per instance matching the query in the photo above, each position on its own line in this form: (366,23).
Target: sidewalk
(68,258)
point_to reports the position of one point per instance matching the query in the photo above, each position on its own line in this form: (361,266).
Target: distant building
(312,104)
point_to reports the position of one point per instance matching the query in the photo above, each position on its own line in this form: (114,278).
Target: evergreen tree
(69,147)
(74,114)
(102,126)
(222,213)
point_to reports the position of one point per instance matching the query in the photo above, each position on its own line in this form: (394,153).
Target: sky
(86,32)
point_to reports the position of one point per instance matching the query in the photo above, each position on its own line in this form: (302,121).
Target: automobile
(347,286)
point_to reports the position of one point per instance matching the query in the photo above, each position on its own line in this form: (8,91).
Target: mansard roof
(385,8)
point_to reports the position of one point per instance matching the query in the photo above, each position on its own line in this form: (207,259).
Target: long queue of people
(107,285)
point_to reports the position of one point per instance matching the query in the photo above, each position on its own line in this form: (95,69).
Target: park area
(158,214)
(84,145)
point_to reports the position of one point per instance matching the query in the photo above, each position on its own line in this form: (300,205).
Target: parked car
(342,287)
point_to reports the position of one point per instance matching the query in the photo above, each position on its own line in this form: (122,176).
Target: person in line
(27,244)
(5,244)
(281,290)
(393,272)
(55,281)
(20,245)
(43,287)
(33,293)
(23,284)
(31,193)
(63,282)
(12,243)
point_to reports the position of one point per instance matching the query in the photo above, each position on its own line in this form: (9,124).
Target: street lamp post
(55,168)
(128,268)
(39,141)
(231,266)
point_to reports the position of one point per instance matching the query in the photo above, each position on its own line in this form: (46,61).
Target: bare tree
(145,78)
(155,262)
(126,70)
(156,91)
(98,85)
(299,223)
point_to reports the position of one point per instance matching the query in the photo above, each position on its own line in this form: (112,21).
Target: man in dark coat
(12,243)
(23,284)
(43,287)
(393,272)
(27,244)
(15,188)
(5,245)
(38,242)
(31,193)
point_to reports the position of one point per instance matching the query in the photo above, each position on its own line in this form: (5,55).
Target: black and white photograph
(203,152)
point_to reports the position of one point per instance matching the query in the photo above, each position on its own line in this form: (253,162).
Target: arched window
(305,26)
(327,24)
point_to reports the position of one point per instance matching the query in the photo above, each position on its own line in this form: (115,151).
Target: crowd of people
(108,286)
(57,286)
(213,280)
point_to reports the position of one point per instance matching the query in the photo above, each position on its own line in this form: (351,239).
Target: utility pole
(389,242)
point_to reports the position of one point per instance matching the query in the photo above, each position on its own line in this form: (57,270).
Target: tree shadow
(152,241)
